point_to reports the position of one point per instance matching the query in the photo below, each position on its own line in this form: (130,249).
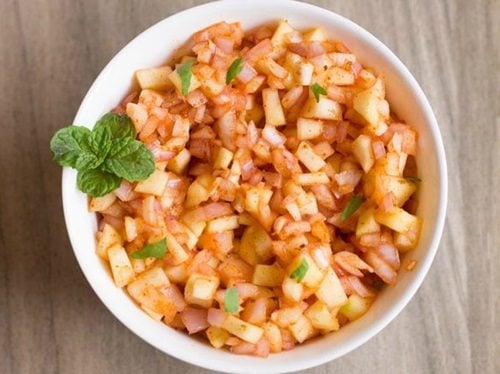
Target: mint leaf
(233,71)
(158,250)
(68,143)
(317,91)
(97,182)
(300,271)
(185,74)
(118,125)
(97,146)
(130,159)
(79,148)
(231,300)
(352,205)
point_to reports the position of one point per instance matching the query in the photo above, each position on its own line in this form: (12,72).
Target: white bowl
(153,47)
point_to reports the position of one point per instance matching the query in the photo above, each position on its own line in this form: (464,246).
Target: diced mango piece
(397,219)
(217,336)
(154,78)
(324,109)
(268,275)
(243,330)
(120,266)
(302,329)
(321,318)
(272,107)
(331,291)
(154,185)
(200,289)
(355,307)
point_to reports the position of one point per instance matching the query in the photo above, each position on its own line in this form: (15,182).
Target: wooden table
(50,319)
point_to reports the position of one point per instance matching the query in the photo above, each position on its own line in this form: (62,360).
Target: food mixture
(280,199)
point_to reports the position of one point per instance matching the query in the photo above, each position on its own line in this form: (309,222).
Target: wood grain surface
(50,319)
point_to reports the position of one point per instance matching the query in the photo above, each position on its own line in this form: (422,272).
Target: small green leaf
(231,300)
(118,125)
(413,179)
(185,74)
(300,271)
(97,182)
(157,250)
(130,159)
(233,71)
(352,205)
(68,144)
(317,91)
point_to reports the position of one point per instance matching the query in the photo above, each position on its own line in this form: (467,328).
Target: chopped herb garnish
(352,205)
(233,71)
(300,271)
(157,250)
(317,91)
(413,179)
(185,74)
(104,155)
(231,300)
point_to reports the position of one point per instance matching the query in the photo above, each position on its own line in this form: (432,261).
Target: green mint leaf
(97,182)
(118,125)
(231,300)
(79,148)
(233,71)
(68,143)
(97,146)
(130,159)
(185,74)
(157,250)
(317,91)
(352,205)
(413,179)
(300,271)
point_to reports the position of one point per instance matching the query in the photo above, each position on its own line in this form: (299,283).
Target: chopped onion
(216,317)
(195,320)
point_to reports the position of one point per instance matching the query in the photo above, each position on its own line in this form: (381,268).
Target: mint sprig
(157,250)
(231,300)
(185,74)
(119,125)
(300,271)
(233,71)
(317,91)
(69,144)
(103,156)
(97,182)
(130,160)
(352,205)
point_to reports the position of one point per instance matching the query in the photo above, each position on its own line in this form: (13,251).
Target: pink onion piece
(273,136)
(247,290)
(263,48)
(244,348)
(380,267)
(173,294)
(216,317)
(213,210)
(195,320)
(246,74)
(389,253)
(263,347)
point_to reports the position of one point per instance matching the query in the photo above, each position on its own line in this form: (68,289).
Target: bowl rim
(436,233)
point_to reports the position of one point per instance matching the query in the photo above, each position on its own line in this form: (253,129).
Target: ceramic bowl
(154,47)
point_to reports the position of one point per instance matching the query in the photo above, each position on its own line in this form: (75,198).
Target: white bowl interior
(154,47)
